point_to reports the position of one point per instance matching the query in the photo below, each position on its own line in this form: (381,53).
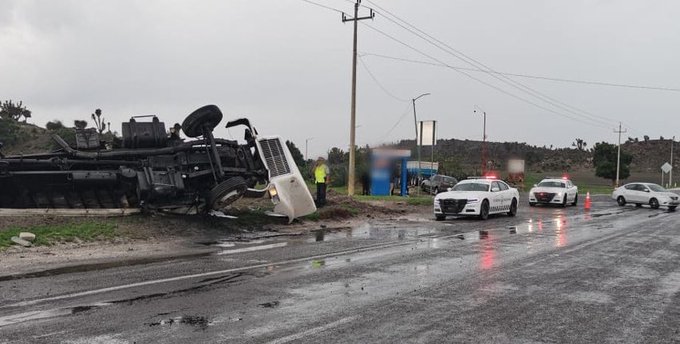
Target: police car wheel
(484,210)
(513,208)
(440,217)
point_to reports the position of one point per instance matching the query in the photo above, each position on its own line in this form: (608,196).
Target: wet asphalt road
(548,275)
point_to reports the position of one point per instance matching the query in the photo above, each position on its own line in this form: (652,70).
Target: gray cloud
(286,64)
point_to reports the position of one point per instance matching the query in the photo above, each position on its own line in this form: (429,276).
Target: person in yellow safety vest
(321,179)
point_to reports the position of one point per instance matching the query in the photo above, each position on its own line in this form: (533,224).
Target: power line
(484,82)
(323,6)
(529,76)
(401,118)
(517,85)
(363,63)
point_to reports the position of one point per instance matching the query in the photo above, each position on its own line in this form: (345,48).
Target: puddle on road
(368,231)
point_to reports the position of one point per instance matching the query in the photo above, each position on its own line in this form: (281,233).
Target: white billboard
(427,133)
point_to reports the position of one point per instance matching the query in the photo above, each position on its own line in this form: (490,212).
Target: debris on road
(28,236)
(271,304)
(22,242)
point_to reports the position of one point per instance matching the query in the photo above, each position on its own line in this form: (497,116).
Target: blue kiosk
(383,166)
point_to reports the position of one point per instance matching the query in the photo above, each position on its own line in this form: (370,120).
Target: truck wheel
(671,209)
(207,117)
(226,192)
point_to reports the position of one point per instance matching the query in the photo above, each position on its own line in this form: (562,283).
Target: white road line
(253,248)
(312,331)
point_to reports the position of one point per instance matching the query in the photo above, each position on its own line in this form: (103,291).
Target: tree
(99,121)
(295,152)
(54,125)
(580,144)
(10,110)
(604,160)
(9,131)
(337,156)
(80,124)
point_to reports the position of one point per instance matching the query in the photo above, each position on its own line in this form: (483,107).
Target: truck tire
(207,117)
(226,192)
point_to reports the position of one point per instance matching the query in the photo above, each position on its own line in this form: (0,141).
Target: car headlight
(274,195)
(472,201)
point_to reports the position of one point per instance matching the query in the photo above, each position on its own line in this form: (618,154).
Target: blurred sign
(426,133)
(391,153)
(666,167)
(515,166)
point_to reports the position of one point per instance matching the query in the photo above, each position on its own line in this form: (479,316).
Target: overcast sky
(286,64)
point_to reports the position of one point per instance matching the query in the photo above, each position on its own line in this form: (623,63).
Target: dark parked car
(438,183)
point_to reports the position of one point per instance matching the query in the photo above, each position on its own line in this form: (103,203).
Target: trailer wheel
(208,117)
(226,192)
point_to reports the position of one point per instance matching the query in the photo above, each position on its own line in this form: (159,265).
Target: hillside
(28,138)
(647,156)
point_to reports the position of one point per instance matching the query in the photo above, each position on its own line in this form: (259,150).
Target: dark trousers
(320,194)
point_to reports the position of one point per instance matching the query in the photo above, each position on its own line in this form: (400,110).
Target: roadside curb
(105,263)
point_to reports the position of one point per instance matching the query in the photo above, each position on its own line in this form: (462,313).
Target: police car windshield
(471,187)
(551,184)
(656,188)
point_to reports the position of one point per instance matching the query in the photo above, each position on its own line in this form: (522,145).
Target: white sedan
(477,197)
(559,191)
(646,193)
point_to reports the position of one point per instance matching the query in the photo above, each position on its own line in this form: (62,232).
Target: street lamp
(483,138)
(418,144)
(306,144)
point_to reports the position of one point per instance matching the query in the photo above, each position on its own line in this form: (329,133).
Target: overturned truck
(158,171)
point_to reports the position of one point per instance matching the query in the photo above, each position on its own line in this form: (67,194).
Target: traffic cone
(586,205)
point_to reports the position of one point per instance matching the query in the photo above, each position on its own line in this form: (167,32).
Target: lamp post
(483,138)
(306,145)
(418,142)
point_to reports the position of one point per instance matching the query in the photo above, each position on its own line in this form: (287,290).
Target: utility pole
(352,126)
(618,155)
(484,158)
(306,144)
(419,139)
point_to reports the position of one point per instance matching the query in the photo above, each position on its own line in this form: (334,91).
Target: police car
(480,196)
(551,190)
